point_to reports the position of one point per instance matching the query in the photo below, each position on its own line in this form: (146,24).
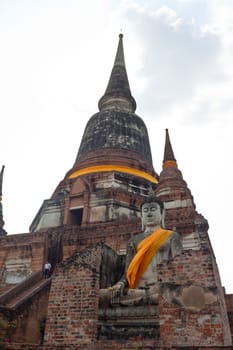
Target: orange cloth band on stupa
(119,168)
(146,249)
(169,163)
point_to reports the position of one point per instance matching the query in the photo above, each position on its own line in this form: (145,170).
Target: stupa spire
(174,192)
(2,231)
(118,94)
(120,58)
(169,158)
(1,180)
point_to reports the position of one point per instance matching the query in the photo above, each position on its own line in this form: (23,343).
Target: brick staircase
(17,295)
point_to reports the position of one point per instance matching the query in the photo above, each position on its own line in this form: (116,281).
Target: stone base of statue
(129,316)
(125,322)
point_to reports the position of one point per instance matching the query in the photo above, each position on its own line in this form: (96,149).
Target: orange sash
(146,249)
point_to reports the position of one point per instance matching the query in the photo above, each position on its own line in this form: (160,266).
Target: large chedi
(90,230)
(113,168)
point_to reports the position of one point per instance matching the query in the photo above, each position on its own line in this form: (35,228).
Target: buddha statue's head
(152,211)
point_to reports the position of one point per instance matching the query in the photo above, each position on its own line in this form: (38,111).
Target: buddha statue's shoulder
(140,236)
(135,240)
(176,243)
(175,235)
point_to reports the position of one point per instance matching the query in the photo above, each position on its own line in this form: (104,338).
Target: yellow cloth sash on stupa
(146,249)
(112,167)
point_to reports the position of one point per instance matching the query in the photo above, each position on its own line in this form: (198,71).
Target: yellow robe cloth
(146,249)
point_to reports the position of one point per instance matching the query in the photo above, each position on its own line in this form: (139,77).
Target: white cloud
(179,58)
(167,13)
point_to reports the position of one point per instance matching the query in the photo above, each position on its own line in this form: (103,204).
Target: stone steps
(17,295)
(29,292)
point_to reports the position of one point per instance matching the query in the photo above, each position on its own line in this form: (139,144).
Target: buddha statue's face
(151,214)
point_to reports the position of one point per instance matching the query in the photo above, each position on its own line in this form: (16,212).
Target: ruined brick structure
(83,231)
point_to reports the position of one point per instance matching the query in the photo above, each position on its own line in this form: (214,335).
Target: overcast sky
(55,60)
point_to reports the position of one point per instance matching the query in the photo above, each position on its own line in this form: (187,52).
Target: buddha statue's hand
(117,291)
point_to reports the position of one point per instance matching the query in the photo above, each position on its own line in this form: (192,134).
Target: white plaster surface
(191,241)
(17,269)
(178,204)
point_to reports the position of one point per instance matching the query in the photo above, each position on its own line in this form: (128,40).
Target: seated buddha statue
(139,284)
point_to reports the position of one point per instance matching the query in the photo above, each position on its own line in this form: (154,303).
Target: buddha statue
(139,285)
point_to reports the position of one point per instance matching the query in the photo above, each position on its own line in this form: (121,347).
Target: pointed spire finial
(120,59)
(1,180)
(169,158)
(2,231)
(118,94)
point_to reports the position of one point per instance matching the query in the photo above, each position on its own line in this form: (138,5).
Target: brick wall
(110,345)
(199,325)
(73,302)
